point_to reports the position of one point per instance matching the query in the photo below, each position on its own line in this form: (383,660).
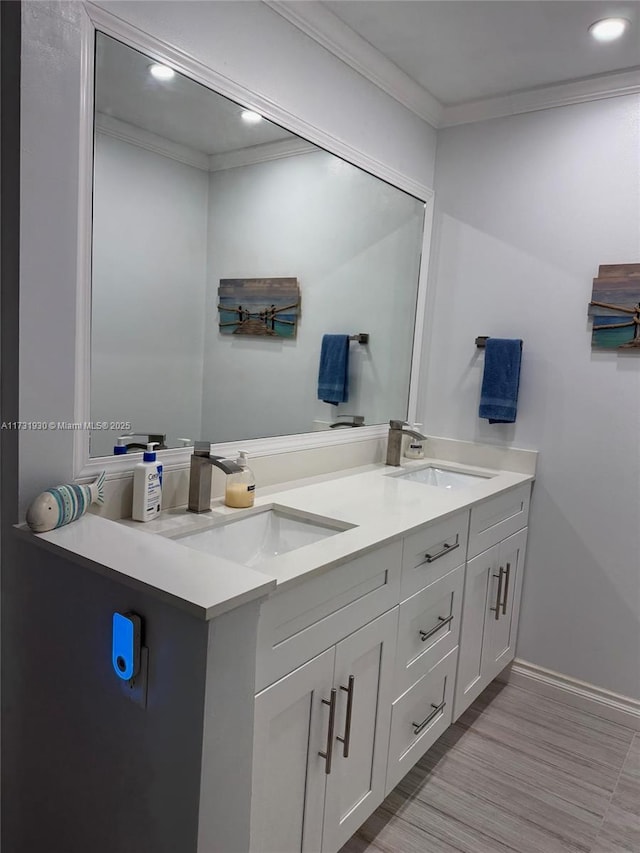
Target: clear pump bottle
(240,488)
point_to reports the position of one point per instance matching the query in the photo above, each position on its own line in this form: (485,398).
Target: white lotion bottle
(147,486)
(415,446)
(240,488)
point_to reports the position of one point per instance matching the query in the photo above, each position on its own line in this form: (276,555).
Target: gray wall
(9,280)
(354,245)
(528,207)
(148,292)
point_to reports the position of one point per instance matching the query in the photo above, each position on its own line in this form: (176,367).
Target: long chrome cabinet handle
(496,609)
(346,740)
(424,635)
(506,589)
(436,710)
(446,549)
(332,722)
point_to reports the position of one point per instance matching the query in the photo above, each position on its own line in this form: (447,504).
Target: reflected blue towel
(333,376)
(499,396)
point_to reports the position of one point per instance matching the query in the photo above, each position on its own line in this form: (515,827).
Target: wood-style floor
(517,773)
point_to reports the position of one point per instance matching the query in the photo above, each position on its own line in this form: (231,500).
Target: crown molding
(318,22)
(260,154)
(544,98)
(185,63)
(126,132)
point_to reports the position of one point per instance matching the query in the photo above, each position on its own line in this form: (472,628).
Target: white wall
(249,43)
(527,209)
(353,243)
(148,294)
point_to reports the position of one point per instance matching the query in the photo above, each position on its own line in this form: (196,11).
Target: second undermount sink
(444,478)
(259,535)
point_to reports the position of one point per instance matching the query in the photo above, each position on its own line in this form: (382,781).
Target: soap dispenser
(120,447)
(414,448)
(240,487)
(147,486)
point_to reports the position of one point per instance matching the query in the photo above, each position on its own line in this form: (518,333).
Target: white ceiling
(179,110)
(465,50)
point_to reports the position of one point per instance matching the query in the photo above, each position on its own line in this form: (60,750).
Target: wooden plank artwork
(615,307)
(259,306)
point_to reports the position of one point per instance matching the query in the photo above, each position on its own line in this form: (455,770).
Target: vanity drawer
(433,552)
(429,628)
(306,619)
(419,717)
(498,518)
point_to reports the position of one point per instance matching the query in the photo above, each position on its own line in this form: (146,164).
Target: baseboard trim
(577,694)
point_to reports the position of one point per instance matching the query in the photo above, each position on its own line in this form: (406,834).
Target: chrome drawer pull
(436,710)
(332,721)
(506,589)
(424,635)
(346,740)
(446,549)
(496,609)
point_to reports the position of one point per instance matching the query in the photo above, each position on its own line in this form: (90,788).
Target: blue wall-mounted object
(125,651)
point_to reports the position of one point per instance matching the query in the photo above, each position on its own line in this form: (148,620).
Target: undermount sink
(257,536)
(443,478)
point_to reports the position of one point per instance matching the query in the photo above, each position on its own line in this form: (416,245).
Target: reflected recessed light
(161,72)
(608,29)
(250,116)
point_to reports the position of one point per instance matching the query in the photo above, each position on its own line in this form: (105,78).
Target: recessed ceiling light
(161,72)
(250,116)
(608,29)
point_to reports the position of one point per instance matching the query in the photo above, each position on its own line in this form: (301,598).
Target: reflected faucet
(394,441)
(202,462)
(157,438)
(356,421)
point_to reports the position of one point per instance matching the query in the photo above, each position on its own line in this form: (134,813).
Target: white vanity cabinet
(320,744)
(493,589)
(361,668)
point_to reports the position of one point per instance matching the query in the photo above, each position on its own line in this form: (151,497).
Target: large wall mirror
(187,194)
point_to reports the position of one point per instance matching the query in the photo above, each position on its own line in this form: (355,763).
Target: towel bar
(481,341)
(362,338)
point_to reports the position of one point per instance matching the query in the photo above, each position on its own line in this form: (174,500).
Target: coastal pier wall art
(615,308)
(267,307)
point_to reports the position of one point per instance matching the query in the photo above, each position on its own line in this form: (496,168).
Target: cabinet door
(470,680)
(501,630)
(364,680)
(290,729)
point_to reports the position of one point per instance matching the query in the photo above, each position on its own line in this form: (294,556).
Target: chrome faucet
(394,442)
(200,475)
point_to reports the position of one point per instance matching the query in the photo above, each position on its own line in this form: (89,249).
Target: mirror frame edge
(98,19)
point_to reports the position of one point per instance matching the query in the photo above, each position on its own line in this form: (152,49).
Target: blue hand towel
(333,376)
(499,396)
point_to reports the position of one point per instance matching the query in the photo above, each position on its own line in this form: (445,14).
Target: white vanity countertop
(382,508)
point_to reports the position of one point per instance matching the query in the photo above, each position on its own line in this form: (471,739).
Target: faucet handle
(397,424)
